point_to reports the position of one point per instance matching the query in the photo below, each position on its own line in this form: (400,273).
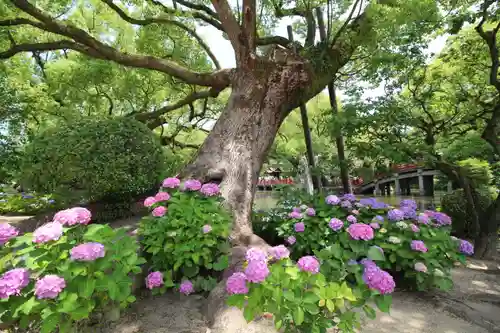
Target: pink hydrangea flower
(308,264)
(192,185)
(171,182)
(13,281)
(256,271)
(295,215)
(255,254)
(375,225)
(186,287)
(423,218)
(352,219)
(378,279)
(83,215)
(149,201)
(420,267)
(237,284)
(159,211)
(414,228)
(73,216)
(360,231)
(49,286)
(299,227)
(51,231)
(207,228)
(7,232)
(279,252)
(291,240)
(310,212)
(88,252)
(418,245)
(210,189)
(335,224)
(162,196)
(154,280)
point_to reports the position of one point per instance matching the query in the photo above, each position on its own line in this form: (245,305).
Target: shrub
(186,236)
(479,171)
(27,203)
(455,205)
(64,271)
(98,159)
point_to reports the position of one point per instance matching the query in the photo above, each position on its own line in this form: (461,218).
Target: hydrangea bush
(309,296)
(414,246)
(63,271)
(185,239)
(26,203)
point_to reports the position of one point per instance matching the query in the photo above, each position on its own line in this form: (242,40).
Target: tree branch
(97,49)
(230,26)
(278,40)
(249,24)
(148,21)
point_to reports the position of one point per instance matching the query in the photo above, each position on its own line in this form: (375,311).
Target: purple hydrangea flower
(414,228)
(395,215)
(360,231)
(186,287)
(154,280)
(375,225)
(349,197)
(378,279)
(48,232)
(332,200)
(308,264)
(409,213)
(367,201)
(379,205)
(206,228)
(210,189)
(237,284)
(13,281)
(418,245)
(352,219)
(279,252)
(291,240)
(255,254)
(420,267)
(466,247)
(88,252)
(256,271)
(7,232)
(171,182)
(49,286)
(192,185)
(310,212)
(346,204)
(299,227)
(295,215)
(423,218)
(335,224)
(296,209)
(367,262)
(441,218)
(412,204)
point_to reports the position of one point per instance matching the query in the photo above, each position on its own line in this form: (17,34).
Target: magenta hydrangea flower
(414,228)
(352,219)
(360,231)
(237,284)
(395,215)
(375,225)
(51,231)
(88,252)
(210,189)
(7,232)
(299,227)
(171,182)
(291,240)
(162,196)
(295,215)
(279,252)
(192,185)
(310,212)
(13,281)
(308,264)
(159,211)
(207,228)
(186,287)
(423,218)
(335,224)
(154,280)
(418,245)
(49,286)
(296,209)
(256,271)
(466,247)
(378,279)
(255,254)
(420,267)
(332,200)
(149,201)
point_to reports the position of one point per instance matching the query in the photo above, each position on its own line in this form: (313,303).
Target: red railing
(271,182)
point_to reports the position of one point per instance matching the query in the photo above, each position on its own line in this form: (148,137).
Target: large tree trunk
(486,243)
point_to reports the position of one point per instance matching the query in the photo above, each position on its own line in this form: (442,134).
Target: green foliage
(90,286)
(478,171)
(29,204)
(176,243)
(95,158)
(455,205)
